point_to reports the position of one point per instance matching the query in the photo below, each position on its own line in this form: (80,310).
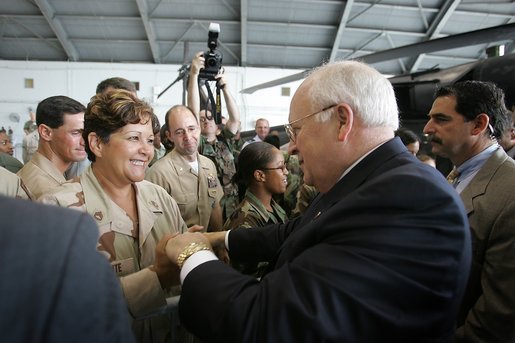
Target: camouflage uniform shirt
(221,152)
(251,213)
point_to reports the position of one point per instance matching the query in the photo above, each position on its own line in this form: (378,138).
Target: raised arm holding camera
(219,148)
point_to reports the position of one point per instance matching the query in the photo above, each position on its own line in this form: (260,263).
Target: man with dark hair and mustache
(464,123)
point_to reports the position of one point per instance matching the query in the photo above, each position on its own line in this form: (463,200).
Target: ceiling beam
(360,48)
(149,29)
(401,63)
(230,8)
(436,27)
(339,33)
(488,35)
(244,29)
(423,15)
(165,57)
(151,12)
(52,42)
(49,14)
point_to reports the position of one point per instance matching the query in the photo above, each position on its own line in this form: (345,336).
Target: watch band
(189,250)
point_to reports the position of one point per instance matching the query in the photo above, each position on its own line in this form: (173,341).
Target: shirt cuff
(195,260)
(227,240)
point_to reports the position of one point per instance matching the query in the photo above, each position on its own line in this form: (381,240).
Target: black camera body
(212,57)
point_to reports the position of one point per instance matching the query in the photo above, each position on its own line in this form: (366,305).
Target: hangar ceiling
(298,34)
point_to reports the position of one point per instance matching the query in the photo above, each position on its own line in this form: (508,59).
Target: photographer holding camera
(219,148)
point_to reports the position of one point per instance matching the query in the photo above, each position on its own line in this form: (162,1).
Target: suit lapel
(479,183)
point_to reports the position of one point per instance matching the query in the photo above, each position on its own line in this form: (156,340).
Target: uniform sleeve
(143,292)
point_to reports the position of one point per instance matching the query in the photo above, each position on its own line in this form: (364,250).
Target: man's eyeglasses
(283,167)
(5,142)
(181,132)
(292,133)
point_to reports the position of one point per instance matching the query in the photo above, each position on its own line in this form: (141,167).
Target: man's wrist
(189,250)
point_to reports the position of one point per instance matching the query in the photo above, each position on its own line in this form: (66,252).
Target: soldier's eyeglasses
(283,167)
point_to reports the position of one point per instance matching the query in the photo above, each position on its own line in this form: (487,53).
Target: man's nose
(428,129)
(292,148)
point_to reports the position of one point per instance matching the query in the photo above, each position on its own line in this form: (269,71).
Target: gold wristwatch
(189,250)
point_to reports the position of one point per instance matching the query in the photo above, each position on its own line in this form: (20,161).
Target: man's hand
(222,254)
(197,63)
(216,239)
(196,228)
(221,80)
(177,244)
(167,271)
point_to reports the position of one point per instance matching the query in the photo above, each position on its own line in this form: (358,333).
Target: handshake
(172,251)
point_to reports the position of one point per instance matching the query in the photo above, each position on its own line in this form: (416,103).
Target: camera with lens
(212,57)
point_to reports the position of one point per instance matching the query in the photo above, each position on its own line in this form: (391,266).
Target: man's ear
(481,124)
(95,144)
(345,116)
(45,132)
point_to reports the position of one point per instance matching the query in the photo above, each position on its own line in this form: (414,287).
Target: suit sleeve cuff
(195,260)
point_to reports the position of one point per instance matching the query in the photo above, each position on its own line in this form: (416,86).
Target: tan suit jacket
(488,310)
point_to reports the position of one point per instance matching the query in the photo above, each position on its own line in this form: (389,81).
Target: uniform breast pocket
(184,202)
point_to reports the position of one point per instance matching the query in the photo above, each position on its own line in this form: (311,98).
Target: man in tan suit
(464,122)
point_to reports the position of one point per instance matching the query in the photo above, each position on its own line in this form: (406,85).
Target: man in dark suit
(55,286)
(381,255)
(465,121)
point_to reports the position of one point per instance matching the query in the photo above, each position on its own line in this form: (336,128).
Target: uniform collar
(99,205)
(262,211)
(47,166)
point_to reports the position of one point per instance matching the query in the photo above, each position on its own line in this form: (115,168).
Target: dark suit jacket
(54,285)
(488,310)
(382,257)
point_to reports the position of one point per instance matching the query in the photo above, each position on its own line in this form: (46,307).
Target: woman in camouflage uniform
(261,170)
